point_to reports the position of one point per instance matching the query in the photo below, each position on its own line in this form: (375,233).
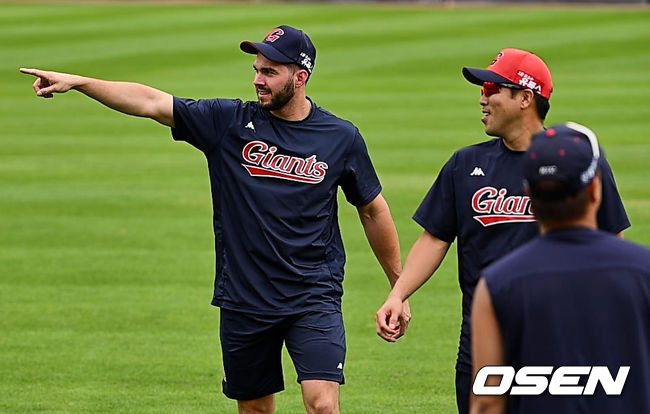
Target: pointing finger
(34,72)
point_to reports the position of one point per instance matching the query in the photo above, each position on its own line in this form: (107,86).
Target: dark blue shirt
(478,199)
(576,297)
(274,193)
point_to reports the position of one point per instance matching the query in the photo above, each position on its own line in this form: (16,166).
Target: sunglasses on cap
(490,88)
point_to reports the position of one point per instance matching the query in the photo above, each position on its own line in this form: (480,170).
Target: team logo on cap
(274,35)
(496,207)
(529,82)
(306,61)
(263,161)
(496,58)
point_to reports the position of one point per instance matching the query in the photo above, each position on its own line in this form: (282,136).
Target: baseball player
(275,167)
(575,296)
(478,199)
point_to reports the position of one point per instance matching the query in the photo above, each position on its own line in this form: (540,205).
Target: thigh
(316,344)
(252,355)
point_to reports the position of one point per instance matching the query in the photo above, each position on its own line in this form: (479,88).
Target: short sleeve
(202,123)
(611,214)
(437,212)
(359,181)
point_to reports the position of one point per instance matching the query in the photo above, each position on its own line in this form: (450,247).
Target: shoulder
(213,104)
(490,146)
(473,153)
(323,116)
(569,251)
(624,251)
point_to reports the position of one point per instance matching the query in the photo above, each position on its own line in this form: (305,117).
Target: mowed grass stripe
(106,252)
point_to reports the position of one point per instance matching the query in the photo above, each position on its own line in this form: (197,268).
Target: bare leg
(320,397)
(264,405)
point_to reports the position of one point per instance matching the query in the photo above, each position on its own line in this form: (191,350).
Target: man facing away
(478,198)
(575,296)
(275,166)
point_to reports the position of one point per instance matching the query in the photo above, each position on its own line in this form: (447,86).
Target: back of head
(558,166)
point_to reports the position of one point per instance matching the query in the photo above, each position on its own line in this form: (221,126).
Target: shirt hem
(274,311)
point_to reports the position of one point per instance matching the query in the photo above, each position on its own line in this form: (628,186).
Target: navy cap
(284,44)
(565,153)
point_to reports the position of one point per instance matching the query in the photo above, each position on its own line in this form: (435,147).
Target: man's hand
(126,97)
(392,319)
(404,319)
(47,83)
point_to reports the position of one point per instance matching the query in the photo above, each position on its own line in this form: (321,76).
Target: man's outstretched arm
(127,97)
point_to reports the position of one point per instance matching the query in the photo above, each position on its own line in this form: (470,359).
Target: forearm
(382,237)
(422,261)
(128,97)
(487,350)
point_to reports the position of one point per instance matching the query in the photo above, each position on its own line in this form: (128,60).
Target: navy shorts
(251,345)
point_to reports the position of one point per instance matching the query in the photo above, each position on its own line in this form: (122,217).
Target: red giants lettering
(495,208)
(266,163)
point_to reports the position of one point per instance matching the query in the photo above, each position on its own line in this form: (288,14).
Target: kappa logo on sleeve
(496,207)
(261,160)
(477,171)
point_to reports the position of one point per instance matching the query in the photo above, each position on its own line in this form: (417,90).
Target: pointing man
(275,167)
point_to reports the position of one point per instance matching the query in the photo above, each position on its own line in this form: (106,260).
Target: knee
(322,406)
(260,406)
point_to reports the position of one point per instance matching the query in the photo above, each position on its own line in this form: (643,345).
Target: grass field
(106,249)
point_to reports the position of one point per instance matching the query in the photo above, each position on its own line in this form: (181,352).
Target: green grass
(106,250)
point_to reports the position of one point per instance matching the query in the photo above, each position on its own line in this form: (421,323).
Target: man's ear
(301,78)
(527,98)
(596,189)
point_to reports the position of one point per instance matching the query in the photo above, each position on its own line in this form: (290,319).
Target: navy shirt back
(576,297)
(274,186)
(478,199)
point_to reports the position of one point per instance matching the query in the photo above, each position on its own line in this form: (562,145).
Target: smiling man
(275,168)
(478,197)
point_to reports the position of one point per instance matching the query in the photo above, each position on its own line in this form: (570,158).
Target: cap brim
(478,76)
(269,52)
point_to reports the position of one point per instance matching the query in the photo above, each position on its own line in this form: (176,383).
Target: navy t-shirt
(274,192)
(576,297)
(478,199)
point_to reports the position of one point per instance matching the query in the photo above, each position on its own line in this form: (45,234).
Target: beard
(280,98)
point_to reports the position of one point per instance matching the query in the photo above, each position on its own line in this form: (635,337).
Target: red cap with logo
(517,67)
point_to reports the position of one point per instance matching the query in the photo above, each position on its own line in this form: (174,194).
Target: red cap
(518,67)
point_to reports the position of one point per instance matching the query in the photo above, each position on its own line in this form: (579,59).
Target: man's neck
(297,109)
(519,139)
(588,222)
